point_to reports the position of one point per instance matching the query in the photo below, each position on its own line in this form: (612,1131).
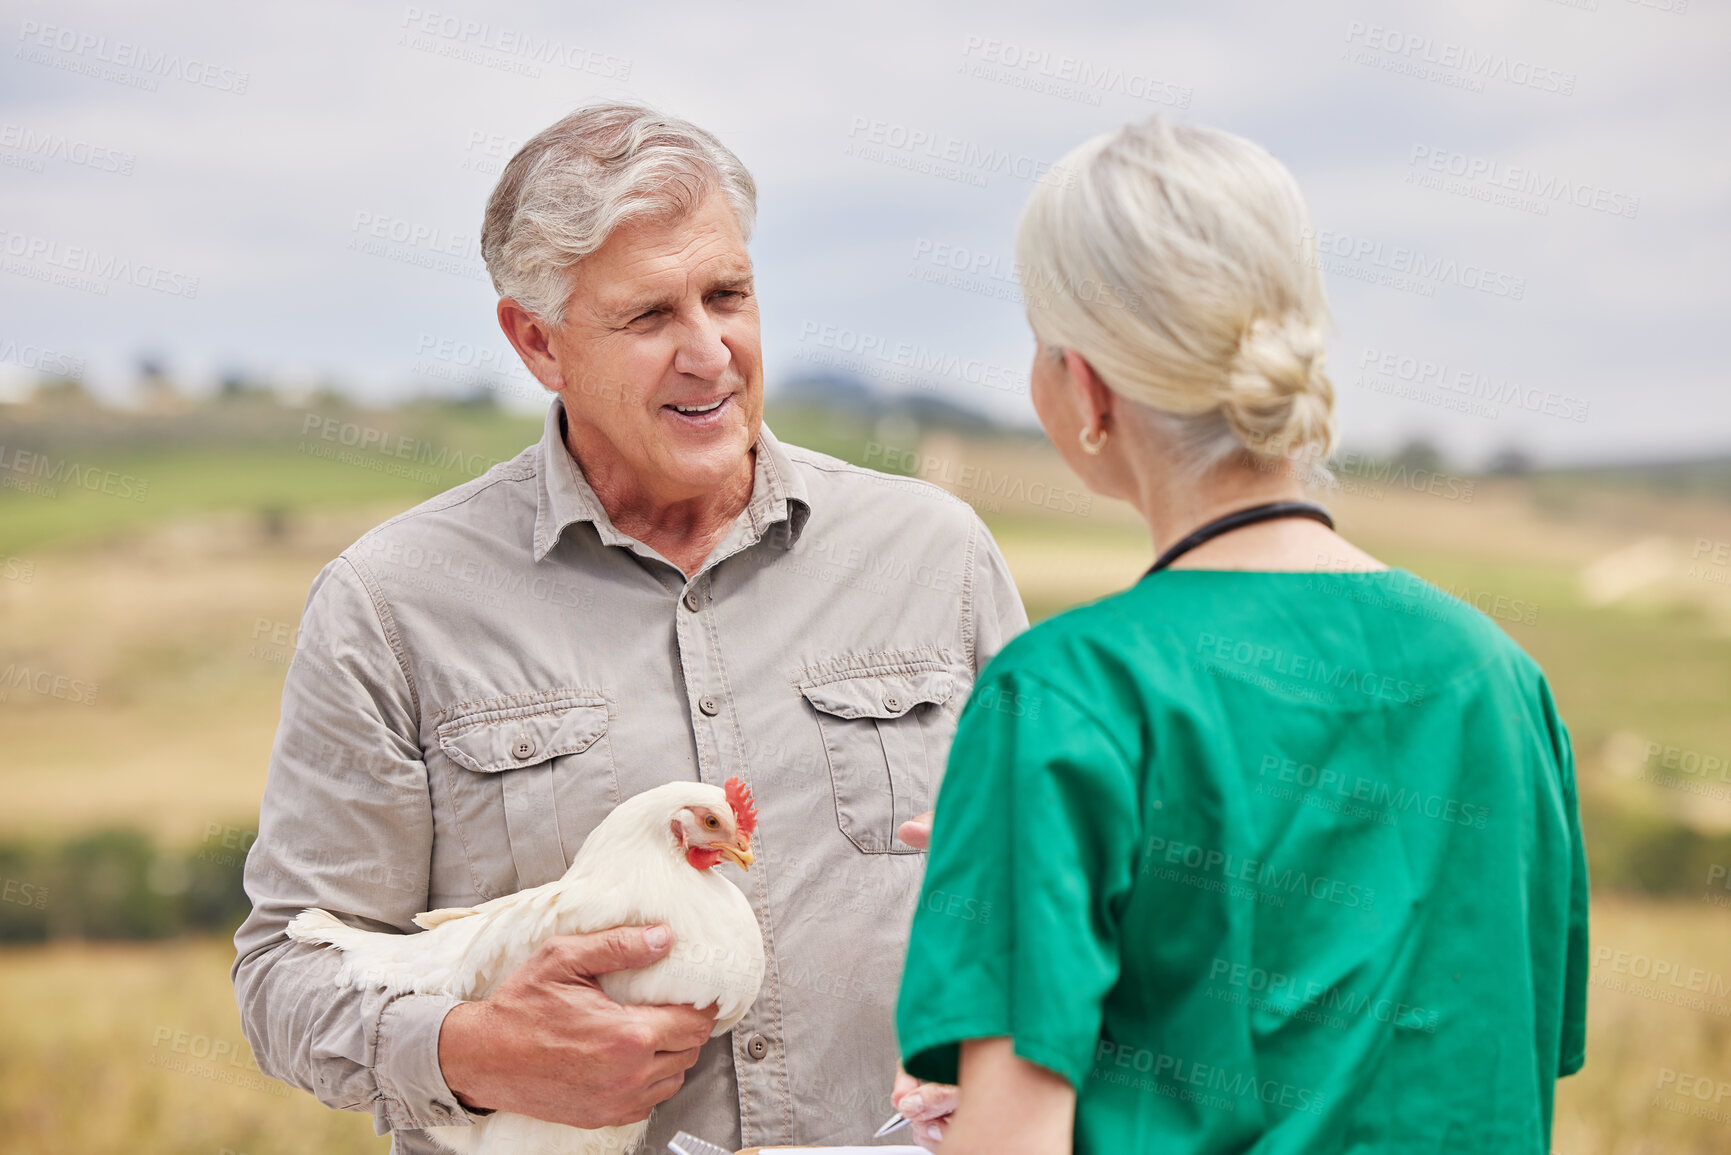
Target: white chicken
(649,861)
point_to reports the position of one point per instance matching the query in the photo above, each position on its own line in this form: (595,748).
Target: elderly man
(658,590)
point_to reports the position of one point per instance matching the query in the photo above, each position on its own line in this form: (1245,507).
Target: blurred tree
(1420,453)
(1510,461)
(235,385)
(155,389)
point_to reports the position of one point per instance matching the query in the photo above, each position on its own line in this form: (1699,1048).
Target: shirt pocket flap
(507,737)
(880,695)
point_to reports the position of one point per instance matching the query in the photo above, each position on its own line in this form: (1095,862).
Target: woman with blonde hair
(1276,850)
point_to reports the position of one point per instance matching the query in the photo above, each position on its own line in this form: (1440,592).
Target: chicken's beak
(737,852)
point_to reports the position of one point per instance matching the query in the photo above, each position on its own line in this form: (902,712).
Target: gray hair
(1180,262)
(570,185)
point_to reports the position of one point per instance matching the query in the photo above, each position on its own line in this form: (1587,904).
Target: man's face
(658,359)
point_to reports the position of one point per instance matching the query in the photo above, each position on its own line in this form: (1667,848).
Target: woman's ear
(1094,401)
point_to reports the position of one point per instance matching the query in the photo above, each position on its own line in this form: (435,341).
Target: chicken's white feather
(630,871)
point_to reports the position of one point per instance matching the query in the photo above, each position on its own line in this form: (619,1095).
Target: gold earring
(1093,446)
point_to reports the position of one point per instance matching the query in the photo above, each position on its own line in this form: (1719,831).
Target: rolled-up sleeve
(993,606)
(346,825)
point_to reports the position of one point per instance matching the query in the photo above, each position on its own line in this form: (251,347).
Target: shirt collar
(564,497)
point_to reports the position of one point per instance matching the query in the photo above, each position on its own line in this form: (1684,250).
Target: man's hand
(917,831)
(927,1106)
(550,1044)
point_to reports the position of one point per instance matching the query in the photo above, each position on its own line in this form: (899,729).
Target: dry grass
(137,1050)
(89,1061)
(184,630)
(1648,1059)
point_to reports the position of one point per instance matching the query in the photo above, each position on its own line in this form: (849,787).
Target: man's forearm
(354,1050)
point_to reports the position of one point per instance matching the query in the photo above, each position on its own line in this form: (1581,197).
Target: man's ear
(1094,401)
(533,342)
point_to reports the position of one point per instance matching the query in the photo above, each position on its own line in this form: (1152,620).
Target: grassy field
(174,616)
(137,1050)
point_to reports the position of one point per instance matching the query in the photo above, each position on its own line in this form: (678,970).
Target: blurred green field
(175,617)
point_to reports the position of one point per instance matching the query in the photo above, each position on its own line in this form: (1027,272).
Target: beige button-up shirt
(481,679)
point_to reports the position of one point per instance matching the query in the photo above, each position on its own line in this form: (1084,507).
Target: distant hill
(845,393)
(1697,477)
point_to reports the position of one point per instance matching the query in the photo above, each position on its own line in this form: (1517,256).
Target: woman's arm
(1008,1105)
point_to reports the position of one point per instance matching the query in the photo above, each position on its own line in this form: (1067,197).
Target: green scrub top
(1262,861)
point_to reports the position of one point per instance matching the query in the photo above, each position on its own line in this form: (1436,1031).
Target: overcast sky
(1522,203)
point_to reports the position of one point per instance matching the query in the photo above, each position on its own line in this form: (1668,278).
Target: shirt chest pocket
(527,776)
(885,747)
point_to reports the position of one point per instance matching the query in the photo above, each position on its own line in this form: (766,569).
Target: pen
(896,1123)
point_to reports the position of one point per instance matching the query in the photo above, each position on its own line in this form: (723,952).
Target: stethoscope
(1237,520)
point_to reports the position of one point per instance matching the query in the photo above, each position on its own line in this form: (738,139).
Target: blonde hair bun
(1180,262)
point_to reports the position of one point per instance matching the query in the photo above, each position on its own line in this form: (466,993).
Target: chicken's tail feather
(369,958)
(321,928)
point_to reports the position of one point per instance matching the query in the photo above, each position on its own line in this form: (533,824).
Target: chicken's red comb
(744,809)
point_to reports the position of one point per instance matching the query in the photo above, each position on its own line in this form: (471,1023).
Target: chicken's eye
(712,822)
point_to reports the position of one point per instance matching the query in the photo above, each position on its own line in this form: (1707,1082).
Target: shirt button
(709,706)
(757,1046)
(893,705)
(523,749)
(692,601)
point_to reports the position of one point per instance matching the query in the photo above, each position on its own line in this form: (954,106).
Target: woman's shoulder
(1154,627)
(1076,645)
